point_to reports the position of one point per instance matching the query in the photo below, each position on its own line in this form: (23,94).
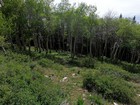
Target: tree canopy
(66,27)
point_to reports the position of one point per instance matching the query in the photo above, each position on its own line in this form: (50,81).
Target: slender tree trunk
(87,46)
(82,46)
(118,56)
(74,47)
(50,44)
(11,42)
(90,47)
(23,42)
(18,42)
(35,42)
(29,47)
(115,54)
(63,42)
(105,48)
(47,48)
(113,50)
(39,43)
(138,59)
(53,42)
(4,50)
(100,49)
(95,49)
(122,53)
(59,43)
(71,43)
(42,44)
(132,56)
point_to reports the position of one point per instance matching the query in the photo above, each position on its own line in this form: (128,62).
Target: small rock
(74,83)
(84,95)
(138,95)
(85,91)
(115,103)
(84,99)
(73,75)
(92,103)
(64,103)
(64,79)
(46,76)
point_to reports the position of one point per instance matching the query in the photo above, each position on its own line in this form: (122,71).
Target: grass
(49,71)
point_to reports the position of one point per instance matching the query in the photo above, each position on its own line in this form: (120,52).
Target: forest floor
(70,75)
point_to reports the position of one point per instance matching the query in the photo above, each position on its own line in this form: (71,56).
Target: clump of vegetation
(110,87)
(83,62)
(18,57)
(117,71)
(46,63)
(97,99)
(133,68)
(87,62)
(50,64)
(19,84)
(80,101)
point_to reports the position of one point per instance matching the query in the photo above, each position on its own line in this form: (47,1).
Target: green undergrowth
(132,68)
(117,71)
(50,64)
(109,87)
(23,80)
(19,84)
(65,59)
(98,99)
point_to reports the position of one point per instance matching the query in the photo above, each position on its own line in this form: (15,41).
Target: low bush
(110,87)
(17,57)
(133,68)
(118,72)
(87,62)
(83,62)
(80,101)
(50,64)
(58,67)
(97,99)
(46,63)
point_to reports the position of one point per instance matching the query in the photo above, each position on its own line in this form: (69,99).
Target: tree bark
(115,54)
(47,48)
(105,48)
(90,47)
(138,59)
(4,50)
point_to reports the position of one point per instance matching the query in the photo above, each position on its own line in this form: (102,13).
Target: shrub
(50,64)
(46,63)
(58,67)
(80,101)
(133,68)
(17,57)
(97,99)
(86,62)
(88,82)
(110,87)
(117,73)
